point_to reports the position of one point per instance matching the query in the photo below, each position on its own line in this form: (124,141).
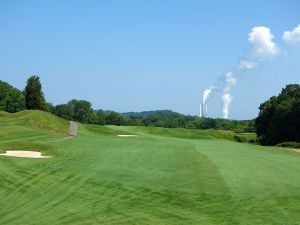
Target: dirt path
(73,129)
(72,132)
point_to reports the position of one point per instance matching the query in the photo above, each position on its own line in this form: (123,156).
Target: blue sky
(146,55)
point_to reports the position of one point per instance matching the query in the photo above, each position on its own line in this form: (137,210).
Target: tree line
(278,120)
(14,100)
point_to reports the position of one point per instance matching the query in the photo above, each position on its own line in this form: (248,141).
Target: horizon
(144,56)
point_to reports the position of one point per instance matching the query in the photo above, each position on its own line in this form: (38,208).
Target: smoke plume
(227,97)
(262,48)
(206,94)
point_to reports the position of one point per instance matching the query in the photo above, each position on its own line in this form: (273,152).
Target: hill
(38,119)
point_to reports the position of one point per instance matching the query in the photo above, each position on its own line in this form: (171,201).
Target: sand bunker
(126,135)
(24,154)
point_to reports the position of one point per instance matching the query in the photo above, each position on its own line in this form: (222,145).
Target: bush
(246,138)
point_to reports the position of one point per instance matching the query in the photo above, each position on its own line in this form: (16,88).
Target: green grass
(161,176)
(37,119)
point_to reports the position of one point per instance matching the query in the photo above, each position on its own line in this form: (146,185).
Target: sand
(126,135)
(24,154)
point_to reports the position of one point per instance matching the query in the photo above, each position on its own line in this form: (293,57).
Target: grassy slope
(31,130)
(44,121)
(99,178)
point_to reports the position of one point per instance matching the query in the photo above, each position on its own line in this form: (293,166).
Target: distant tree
(34,96)
(114,118)
(82,111)
(133,121)
(92,119)
(100,117)
(147,122)
(49,107)
(71,105)
(11,99)
(62,111)
(279,117)
(74,110)
(78,110)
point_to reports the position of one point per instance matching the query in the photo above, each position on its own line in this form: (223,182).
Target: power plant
(203,109)
(203,104)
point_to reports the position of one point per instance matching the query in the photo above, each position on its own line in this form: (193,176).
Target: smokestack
(203,110)
(200,114)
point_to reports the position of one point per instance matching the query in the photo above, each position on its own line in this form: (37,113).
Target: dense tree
(34,96)
(82,110)
(279,117)
(132,121)
(100,117)
(49,107)
(114,118)
(11,99)
(78,110)
(62,111)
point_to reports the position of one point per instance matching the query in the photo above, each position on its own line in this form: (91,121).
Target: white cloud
(263,46)
(292,37)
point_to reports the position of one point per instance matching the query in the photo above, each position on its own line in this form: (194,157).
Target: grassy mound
(39,119)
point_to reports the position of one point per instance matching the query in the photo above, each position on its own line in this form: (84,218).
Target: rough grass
(161,176)
(38,119)
(289,144)
(246,138)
